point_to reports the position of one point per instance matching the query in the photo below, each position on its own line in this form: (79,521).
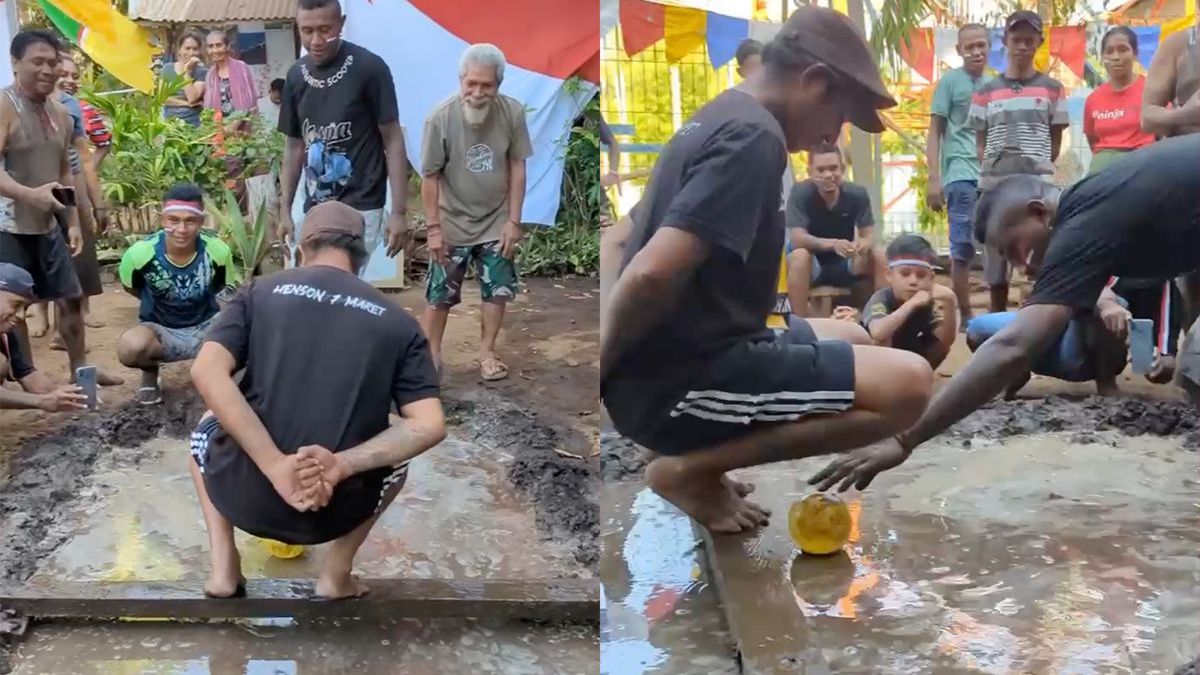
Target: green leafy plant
(248,237)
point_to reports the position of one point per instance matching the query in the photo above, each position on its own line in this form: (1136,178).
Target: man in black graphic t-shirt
(301,451)
(1140,217)
(342,124)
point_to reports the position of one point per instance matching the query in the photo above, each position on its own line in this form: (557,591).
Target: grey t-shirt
(473,163)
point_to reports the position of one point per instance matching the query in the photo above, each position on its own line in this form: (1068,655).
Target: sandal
(492,369)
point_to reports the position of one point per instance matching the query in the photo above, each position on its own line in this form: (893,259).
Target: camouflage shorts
(497,275)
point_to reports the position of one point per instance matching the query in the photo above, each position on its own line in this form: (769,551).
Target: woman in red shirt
(1112,115)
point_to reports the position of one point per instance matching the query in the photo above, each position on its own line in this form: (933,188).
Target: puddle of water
(657,614)
(456,518)
(424,648)
(1034,555)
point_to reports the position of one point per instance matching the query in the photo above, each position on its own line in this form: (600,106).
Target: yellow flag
(684,30)
(1041,58)
(115,42)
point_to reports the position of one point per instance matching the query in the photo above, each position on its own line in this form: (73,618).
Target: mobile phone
(1141,345)
(85,377)
(64,195)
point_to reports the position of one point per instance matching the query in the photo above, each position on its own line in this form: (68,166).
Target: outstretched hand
(859,467)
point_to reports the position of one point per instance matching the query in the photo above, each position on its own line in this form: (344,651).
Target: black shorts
(47,258)
(247,499)
(752,385)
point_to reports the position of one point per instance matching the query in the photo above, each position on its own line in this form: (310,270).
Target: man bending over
(176,273)
(688,368)
(1139,218)
(300,451)
(16,292)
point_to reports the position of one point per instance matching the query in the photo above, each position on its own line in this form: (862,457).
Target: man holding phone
(16,292)
(36,188)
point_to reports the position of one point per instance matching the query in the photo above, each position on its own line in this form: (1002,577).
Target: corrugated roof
(211,11)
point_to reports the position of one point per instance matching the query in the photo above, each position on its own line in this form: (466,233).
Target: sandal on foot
(149,396)
(492,369)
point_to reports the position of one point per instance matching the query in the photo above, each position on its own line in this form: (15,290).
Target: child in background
(913,313)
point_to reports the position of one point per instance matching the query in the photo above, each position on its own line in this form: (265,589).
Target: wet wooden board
(575,600)
(752,575)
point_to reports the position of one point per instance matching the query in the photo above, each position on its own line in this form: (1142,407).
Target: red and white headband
(180,205)
(915,262)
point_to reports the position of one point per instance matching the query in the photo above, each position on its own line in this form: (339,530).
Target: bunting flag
(641,24)
(1069,45)
(1148,39)
(545,43)
(725,33)
(683,29)
(119,45)
(917,51)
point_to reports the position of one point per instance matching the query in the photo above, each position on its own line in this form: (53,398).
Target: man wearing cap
(687,368)
(300,450)
(1018,117)
(176,274)
(16,292)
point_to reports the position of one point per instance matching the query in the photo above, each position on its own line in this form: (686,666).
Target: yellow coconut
(819,523)
(282,550)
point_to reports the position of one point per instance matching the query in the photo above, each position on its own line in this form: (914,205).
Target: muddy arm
(1008,353)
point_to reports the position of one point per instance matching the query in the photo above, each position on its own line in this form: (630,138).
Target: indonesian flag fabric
(546,43)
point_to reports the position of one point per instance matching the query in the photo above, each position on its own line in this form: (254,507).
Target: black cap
(1023,16)
(828,37)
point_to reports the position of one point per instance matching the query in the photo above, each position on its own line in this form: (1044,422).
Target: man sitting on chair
(831,233)
(176,273)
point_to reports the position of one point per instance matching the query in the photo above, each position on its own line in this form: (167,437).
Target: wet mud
(50,471)
(563,489)
(622,459)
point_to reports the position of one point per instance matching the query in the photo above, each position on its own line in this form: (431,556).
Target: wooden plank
(576,600)
(396,283)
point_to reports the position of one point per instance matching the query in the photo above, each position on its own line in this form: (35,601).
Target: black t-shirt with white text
(325,355)
(338,108)
(850,213)
(1140,217)
(718,179)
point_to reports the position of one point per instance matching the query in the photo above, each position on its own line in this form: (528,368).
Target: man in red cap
(301,450)
(687,368)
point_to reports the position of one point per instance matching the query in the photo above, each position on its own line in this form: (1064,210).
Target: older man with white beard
(473,160)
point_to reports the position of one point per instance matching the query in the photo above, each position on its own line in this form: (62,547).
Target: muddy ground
(544,415)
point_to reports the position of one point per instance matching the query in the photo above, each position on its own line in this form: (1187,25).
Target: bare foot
(56,343)
(340,586)
(105,380)
(92,323)
(36,321)
(714,503)
(1107,389)
(742,489)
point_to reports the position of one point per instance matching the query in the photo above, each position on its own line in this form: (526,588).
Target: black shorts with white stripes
(246,498)
(752,385)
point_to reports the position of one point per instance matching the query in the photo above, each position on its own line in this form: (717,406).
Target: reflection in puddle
(657,614)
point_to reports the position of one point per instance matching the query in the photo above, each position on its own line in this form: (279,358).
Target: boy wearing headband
(177,273)
(913,313)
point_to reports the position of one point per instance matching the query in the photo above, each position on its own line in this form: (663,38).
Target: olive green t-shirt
(473,166)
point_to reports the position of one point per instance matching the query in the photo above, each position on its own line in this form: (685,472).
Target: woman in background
(1112,122)
(188,101)
(229,87)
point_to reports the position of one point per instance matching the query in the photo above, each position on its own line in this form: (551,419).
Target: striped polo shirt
(1017,116)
